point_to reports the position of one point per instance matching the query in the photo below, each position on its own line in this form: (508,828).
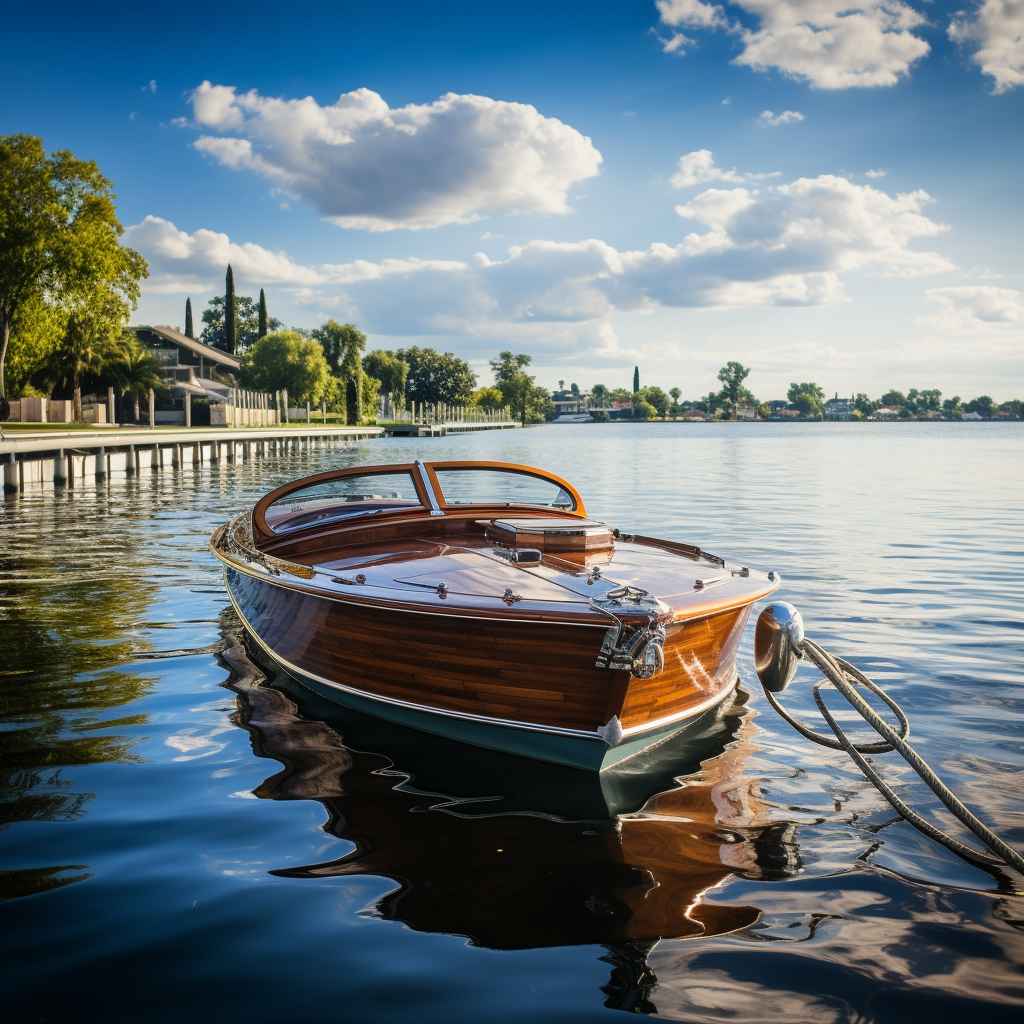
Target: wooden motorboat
(478,601)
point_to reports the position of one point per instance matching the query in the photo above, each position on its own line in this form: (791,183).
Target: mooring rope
(845,678)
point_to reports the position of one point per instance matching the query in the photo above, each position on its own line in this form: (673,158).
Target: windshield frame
(511,468)
(428,491)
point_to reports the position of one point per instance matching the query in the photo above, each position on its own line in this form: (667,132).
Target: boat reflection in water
(517,854)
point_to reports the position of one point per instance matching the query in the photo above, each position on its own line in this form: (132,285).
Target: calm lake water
(178,844)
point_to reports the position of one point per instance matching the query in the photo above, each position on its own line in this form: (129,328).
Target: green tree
(391,371)
(91,332)
(864,405)
(515,384)
(676,394)
(893,399)
(369,397)
(437,377)
(342,345)
(247,323)
(135,370)
(764,410)
(284,360)
(541,406)
(808,398)
(262,326)
(623,396)
(642,409)
(59,234)
(35,336)
(931,399)
(230,335)
(953,407)
(657,398)
(488,398)
(188,318)
(599,396)
(732,376)
(636,379)
(983,406)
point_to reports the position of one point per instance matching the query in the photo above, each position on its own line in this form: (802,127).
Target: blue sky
(825,192)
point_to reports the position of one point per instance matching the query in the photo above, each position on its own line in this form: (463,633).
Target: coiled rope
(845,678)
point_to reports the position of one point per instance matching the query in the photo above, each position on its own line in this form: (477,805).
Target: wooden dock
(76,458)
(443,429)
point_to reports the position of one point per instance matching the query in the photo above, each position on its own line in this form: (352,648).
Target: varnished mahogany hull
(524,686)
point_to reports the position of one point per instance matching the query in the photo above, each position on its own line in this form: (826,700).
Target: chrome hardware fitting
(442,590)
(526,556)
(612,732)
(771,577)
(593,575)
(509,598)
(638,649)
(777,639)
(358,581)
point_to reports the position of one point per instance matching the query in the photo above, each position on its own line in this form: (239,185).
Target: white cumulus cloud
(975,307)
(179,261)
(698,167)
(996,27)
(830,44)
(768,119)
(364,165)
(787,245)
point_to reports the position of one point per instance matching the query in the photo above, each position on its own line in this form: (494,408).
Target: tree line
(807,399)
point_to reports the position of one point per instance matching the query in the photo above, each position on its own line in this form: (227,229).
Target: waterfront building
(839,408)
(179,354)
(570,402)
(188,367)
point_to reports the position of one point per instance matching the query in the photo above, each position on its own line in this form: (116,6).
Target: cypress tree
(229,311)
(262,333)
(636,379)
(188,318)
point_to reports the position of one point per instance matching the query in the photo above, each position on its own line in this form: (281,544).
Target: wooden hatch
(552,536)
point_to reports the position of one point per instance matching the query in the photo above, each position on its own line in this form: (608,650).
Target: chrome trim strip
(435,508)
(468,716)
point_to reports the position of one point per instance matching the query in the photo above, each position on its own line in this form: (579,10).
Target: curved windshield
(344,498)
(501,487)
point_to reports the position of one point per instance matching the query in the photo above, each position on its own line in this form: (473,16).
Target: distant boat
(574,417)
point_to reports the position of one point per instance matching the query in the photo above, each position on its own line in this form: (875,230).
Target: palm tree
(84,349)
(135,369)
(598,395)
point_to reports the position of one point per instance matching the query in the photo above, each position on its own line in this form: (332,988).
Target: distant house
(839,408)
(973,416)
(746,412)
(189,367)
(180,354)
(570,403)
(790,414)
(887,412)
